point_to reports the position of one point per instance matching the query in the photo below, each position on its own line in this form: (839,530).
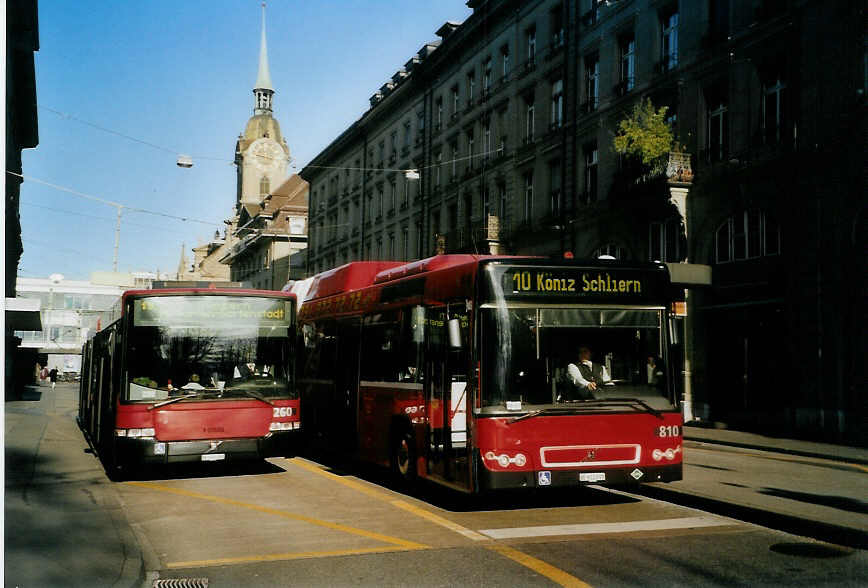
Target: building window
(471,84)
(486,75)
(470,149)
(717,130)
(669,40)
(773,111)
(454,167)
(747,235)
(486,141)
(438,113)
(504,62)
(380,202)
(502,198)
(557,26)
(438,164)
(592,82)
(528,197)
(557,105)
(627,59)
(486,206)
(529,119)
(264,186)
(665,241)
(455,101)
(609,249)
(420,122)
(407,134)
(555,198)
(591,164)
(393,196)
(405,243)
(530,43)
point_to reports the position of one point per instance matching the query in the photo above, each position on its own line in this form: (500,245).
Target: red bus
(191,375)
(457,369)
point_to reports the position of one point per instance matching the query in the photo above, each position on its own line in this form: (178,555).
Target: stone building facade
(498,137)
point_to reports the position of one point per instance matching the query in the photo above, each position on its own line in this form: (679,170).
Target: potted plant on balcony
(645,136)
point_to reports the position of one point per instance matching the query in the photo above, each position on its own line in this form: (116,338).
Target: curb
(784,450)
(829,533)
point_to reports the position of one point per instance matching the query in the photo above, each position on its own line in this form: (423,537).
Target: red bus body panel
(188,420)
(635,445)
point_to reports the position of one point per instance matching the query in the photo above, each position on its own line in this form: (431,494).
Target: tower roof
(263,77)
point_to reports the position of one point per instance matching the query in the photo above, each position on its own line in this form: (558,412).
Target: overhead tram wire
(117,205)
(288,160)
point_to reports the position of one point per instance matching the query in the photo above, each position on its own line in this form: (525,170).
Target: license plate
(213,456)
(592,477)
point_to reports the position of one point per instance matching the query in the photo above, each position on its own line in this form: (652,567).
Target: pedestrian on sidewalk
(53,376)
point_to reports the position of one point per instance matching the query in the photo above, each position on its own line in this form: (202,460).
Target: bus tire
(403,457)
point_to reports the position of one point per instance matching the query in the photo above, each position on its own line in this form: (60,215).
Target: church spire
(263,91)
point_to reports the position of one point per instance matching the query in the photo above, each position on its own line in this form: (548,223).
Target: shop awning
(22,314)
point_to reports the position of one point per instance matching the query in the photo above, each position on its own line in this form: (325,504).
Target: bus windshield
(214,346)
(535,357)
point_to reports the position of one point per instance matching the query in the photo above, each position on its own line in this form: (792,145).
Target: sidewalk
(780,445)
(64,522)
(810,489)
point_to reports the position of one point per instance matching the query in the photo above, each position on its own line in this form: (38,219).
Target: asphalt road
(309,523)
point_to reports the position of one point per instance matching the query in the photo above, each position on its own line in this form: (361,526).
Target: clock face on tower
(266,153)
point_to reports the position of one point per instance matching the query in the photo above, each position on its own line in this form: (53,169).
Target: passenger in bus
(587,375)
(193,384)
(654,371)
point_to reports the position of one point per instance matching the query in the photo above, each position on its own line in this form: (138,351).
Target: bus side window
(381,353)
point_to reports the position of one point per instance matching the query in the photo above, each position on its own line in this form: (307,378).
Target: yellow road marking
(379,495)
(556,575)
(438,520)
(282,513)
(226,561)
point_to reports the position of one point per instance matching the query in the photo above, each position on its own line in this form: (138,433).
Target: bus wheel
(404,458)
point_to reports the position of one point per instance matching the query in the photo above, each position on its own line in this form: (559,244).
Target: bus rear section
(575,383)
(193,376)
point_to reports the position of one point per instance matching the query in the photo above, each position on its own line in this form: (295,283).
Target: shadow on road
(455,501)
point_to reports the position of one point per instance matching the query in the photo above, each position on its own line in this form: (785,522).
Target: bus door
(447,394)
(346,390)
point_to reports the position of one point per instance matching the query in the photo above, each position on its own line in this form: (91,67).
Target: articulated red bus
(191,375)
(462,369)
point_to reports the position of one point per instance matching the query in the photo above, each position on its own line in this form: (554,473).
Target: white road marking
(595,528)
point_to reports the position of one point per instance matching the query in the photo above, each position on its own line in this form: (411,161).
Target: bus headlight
(504,460)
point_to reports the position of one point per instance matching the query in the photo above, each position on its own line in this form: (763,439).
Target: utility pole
(117,238)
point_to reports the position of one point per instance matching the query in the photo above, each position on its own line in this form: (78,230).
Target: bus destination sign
(211,310)
(576,282)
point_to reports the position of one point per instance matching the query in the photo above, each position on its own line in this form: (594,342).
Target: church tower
(261,152)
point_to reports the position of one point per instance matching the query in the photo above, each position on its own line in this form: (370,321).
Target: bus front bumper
(491,480)
(154,451)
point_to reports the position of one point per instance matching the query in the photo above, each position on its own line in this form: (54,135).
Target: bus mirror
(418,324)
(454,327)
(674,331)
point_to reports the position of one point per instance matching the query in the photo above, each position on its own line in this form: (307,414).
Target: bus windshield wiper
(255,395)
(175,399)
(641,403)
(542,411)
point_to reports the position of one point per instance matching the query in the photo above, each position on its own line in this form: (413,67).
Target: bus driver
(586,375)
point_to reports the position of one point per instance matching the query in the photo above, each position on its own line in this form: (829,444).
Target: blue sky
(179,77)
